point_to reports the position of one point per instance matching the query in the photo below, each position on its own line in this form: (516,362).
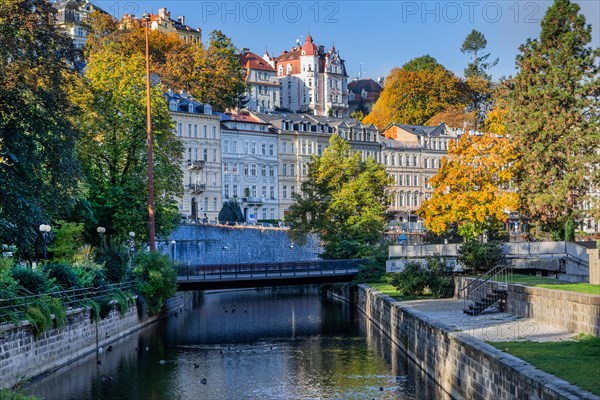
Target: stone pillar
(594,263)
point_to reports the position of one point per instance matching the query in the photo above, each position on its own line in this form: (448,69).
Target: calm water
(281,343)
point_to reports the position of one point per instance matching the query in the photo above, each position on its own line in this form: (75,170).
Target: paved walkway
(490,326)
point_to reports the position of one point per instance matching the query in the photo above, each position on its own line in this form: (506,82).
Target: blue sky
(372,36)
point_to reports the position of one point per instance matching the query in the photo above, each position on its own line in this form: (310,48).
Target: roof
(422,129)
(253,61)
(368,84)
(183,100)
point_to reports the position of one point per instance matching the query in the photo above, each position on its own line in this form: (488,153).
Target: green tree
(68,238)
(477,256)
(552,105)
(113,150)
(474,44)
(426,62)
(39,180)
(343,200)
(156,278)
(231,212)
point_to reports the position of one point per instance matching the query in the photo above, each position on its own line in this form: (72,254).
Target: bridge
(247,275)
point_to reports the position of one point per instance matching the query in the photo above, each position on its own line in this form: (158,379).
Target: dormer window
(190,108)
(173,105)
(207,109)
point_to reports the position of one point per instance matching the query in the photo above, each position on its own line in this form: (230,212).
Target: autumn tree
(455,117)
(212,75)
(343,200)
(471,186)
(414,97)
(113,150)
(39,178)
(426,62)
(553,114)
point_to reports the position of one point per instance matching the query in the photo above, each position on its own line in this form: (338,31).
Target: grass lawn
(550,283)
(577,362)
(387,289)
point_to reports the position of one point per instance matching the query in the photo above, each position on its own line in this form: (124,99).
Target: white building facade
(198,128)
(264,89)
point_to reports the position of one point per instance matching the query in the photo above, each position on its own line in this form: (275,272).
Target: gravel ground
(490,326)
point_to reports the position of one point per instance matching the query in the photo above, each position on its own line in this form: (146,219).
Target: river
(273,343)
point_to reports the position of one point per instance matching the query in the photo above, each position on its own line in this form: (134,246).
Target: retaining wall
(465,367)
(197,244)
(22,356)
(576,312)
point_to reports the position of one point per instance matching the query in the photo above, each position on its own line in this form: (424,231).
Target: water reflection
(281,343)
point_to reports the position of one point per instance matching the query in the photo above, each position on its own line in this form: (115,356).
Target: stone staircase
(487,290)
(487,299)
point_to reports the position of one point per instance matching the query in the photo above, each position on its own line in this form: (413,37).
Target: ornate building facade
(264,89)
(249,167)
(70,18)
(198,128)
(312,80)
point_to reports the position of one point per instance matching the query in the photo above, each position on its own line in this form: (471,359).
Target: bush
(90,274)
(231,212)
(373,267)
(31,279)
(115,258)
(63,274)
(476,256)
(434,275)
(68,237)
(156,278)
(6,394)
(6,263)
(412,281)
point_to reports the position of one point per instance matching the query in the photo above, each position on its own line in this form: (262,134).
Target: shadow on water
(269,343)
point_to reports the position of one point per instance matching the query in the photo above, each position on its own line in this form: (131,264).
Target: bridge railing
(257,270)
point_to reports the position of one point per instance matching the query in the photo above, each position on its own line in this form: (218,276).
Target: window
(292,190)
(291,148)
(246,169)
(205,154)
(284,169)
(292,169)
(253,169)
(195,130)
(272,192)
(253,191)
(246,148)
(271,170)
(234,146)
(234,168)
(280,70)
(214,158)
(225,145)
(204,131)
(284,147)
(271,149)
(284,191)
(253,148)
(234,192)
(272,215)
(214,132)
(320,149)
(195,153)
(225,168)
(289,69)
(179,128)
(206,204)
(263,170)
(303,169)
(215,204)
(303,148)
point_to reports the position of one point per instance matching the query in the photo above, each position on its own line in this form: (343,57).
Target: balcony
(195,164)
(196,188)
(253,201)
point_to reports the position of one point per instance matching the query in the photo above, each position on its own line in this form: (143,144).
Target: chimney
(244,50)
(163,13)
(321,49)
(181,20)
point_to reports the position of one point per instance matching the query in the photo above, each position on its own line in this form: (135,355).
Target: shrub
(231,212)
(434,275)
(39,316)
(373,267)
(6,263)
(89,273)
(31,279)
(115,258)
(156,278)
(412,281)
(63,274)
(476,256)
(6,394)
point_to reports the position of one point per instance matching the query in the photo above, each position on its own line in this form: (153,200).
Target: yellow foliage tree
(496,121)
(471,188)
(413,97)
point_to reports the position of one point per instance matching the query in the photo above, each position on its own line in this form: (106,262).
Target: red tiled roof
(253,61)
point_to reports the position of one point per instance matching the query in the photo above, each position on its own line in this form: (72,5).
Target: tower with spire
(312,80)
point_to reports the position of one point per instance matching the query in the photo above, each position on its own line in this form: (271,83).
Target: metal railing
(266,270)
(17,306)
(488,286)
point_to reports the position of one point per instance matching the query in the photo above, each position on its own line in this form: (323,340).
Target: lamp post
(146,19)
(101,231)
(131,244)
(173,250)
(45,230)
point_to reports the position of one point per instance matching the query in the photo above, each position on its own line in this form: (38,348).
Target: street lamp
(131,244)
(45,230)
(146,19)
(101,231)
(173,250)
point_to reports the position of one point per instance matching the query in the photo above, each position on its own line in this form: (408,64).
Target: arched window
(288,69)
(280,70)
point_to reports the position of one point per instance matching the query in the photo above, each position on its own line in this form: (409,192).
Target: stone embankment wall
(465,367)
(22,356)
(576,312)
(197,244)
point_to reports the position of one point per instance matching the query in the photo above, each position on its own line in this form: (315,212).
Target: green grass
(549,283)
(6,394)
(389,290)
(575,361)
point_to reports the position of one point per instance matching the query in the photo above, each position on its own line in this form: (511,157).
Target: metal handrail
(486,279)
